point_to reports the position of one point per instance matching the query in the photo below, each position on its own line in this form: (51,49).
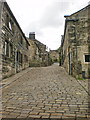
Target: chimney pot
(32,35)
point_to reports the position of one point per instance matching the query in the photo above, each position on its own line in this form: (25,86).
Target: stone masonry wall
(75,47)
(38,54)
(0,42)
(54,55)
(14,44)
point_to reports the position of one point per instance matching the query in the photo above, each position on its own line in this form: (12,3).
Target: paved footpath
(46,92)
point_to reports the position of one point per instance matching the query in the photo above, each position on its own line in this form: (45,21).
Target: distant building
(38,53)
(54,55)
(75,44)
(13,43)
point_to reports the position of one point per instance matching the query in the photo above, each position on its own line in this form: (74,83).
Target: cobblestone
(46,92)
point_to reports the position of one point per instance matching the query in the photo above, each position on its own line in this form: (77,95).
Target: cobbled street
(45,92)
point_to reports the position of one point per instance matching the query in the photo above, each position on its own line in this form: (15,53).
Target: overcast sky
(44,17)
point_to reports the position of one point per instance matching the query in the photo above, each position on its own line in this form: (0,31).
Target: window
(9,23)
(6,49)
(17,56)
(7,20)
(25,58)
(20,58)
(87,58)
(88,39)
(10,26)
(10,50)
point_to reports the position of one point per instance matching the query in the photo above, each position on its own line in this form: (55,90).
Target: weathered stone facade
(13,43)
(0,43)
(75,45)
(54,55)
(38,53)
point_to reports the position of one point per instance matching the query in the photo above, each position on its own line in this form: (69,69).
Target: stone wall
(38,54)
(15,55)
(75,43)
(54,55)
(1,5)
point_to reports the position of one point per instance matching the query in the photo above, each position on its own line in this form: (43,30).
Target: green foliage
(79,78)
(55,60)
(34,64)
(5,69)
(37,64)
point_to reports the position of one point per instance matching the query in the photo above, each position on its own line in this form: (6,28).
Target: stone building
(54,55)
(75,44)
(38,54)
(13,43)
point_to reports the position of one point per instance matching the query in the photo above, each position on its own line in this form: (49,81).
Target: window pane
(87,58)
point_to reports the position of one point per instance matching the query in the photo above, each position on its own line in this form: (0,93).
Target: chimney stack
(32,35)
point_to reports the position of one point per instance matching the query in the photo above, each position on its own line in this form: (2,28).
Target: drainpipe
(15,61)
(88,64)
(75,40)
(73,20)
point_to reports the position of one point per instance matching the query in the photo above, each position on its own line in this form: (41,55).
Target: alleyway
(47,92)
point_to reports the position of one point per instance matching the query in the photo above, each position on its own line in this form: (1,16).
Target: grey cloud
(53,16)
(35,27)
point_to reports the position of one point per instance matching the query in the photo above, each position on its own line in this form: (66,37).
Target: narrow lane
(46,92)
